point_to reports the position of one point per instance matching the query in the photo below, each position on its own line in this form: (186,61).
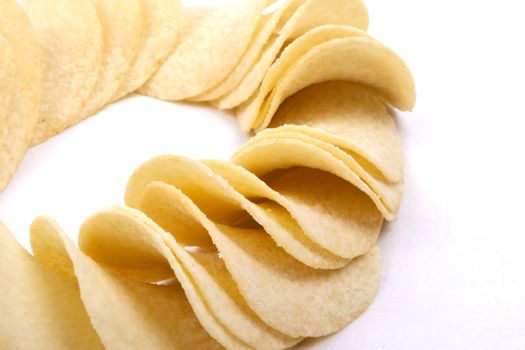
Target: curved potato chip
(8,72)
(71,44)
(255,158)
(121,23)
(289,296)
(41,309)
(207,52)
(389,193)
(7,75)
(207,284)
(160,25)
(361,60)
(310,15)
(349,116)
(125,313)
(335,206)
(21,113)
(353,57)
(246,112)
(294,298)
(223,204)
(263,32)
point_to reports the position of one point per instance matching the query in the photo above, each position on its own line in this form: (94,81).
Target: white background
(454,265)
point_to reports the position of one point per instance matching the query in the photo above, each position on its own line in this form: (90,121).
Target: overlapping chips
(20,89)
(259,252)
(70,59)
(70,42)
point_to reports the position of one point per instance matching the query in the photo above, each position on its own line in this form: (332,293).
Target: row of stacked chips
(62,61)
(274,246)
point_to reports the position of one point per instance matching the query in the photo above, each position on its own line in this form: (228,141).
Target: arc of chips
(277,244)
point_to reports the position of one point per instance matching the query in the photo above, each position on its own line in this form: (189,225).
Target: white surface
(454,267)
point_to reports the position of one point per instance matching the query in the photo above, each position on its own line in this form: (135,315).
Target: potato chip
(21,112)
(126,313)
(263,32)
(389,193)
(8,70)
(349,116)
(256,158)
(289,296)
(71,44)
(160,25)
(311,14)
(332,196)
(41,309)
(157,204)
(224,204)
(371,64)
(207,284)
(352,115)
(287,59)
(210,45)
(354,58)
(121,23)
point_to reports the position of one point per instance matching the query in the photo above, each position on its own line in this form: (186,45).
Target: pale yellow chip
(71,45)
(294,298)
(211,43)
(160,26)
(208,286)
(41,309)
(289,296)
(350,116)
(354,58)
(23,82)
(264,31)
(339,217)
(370,62)
(265,156)
(247,112)
(228,200)
(121,23)
(389,193)
(7,74)
(343,118)
(309,15)
(341,220)
(8,70)
(124,312)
